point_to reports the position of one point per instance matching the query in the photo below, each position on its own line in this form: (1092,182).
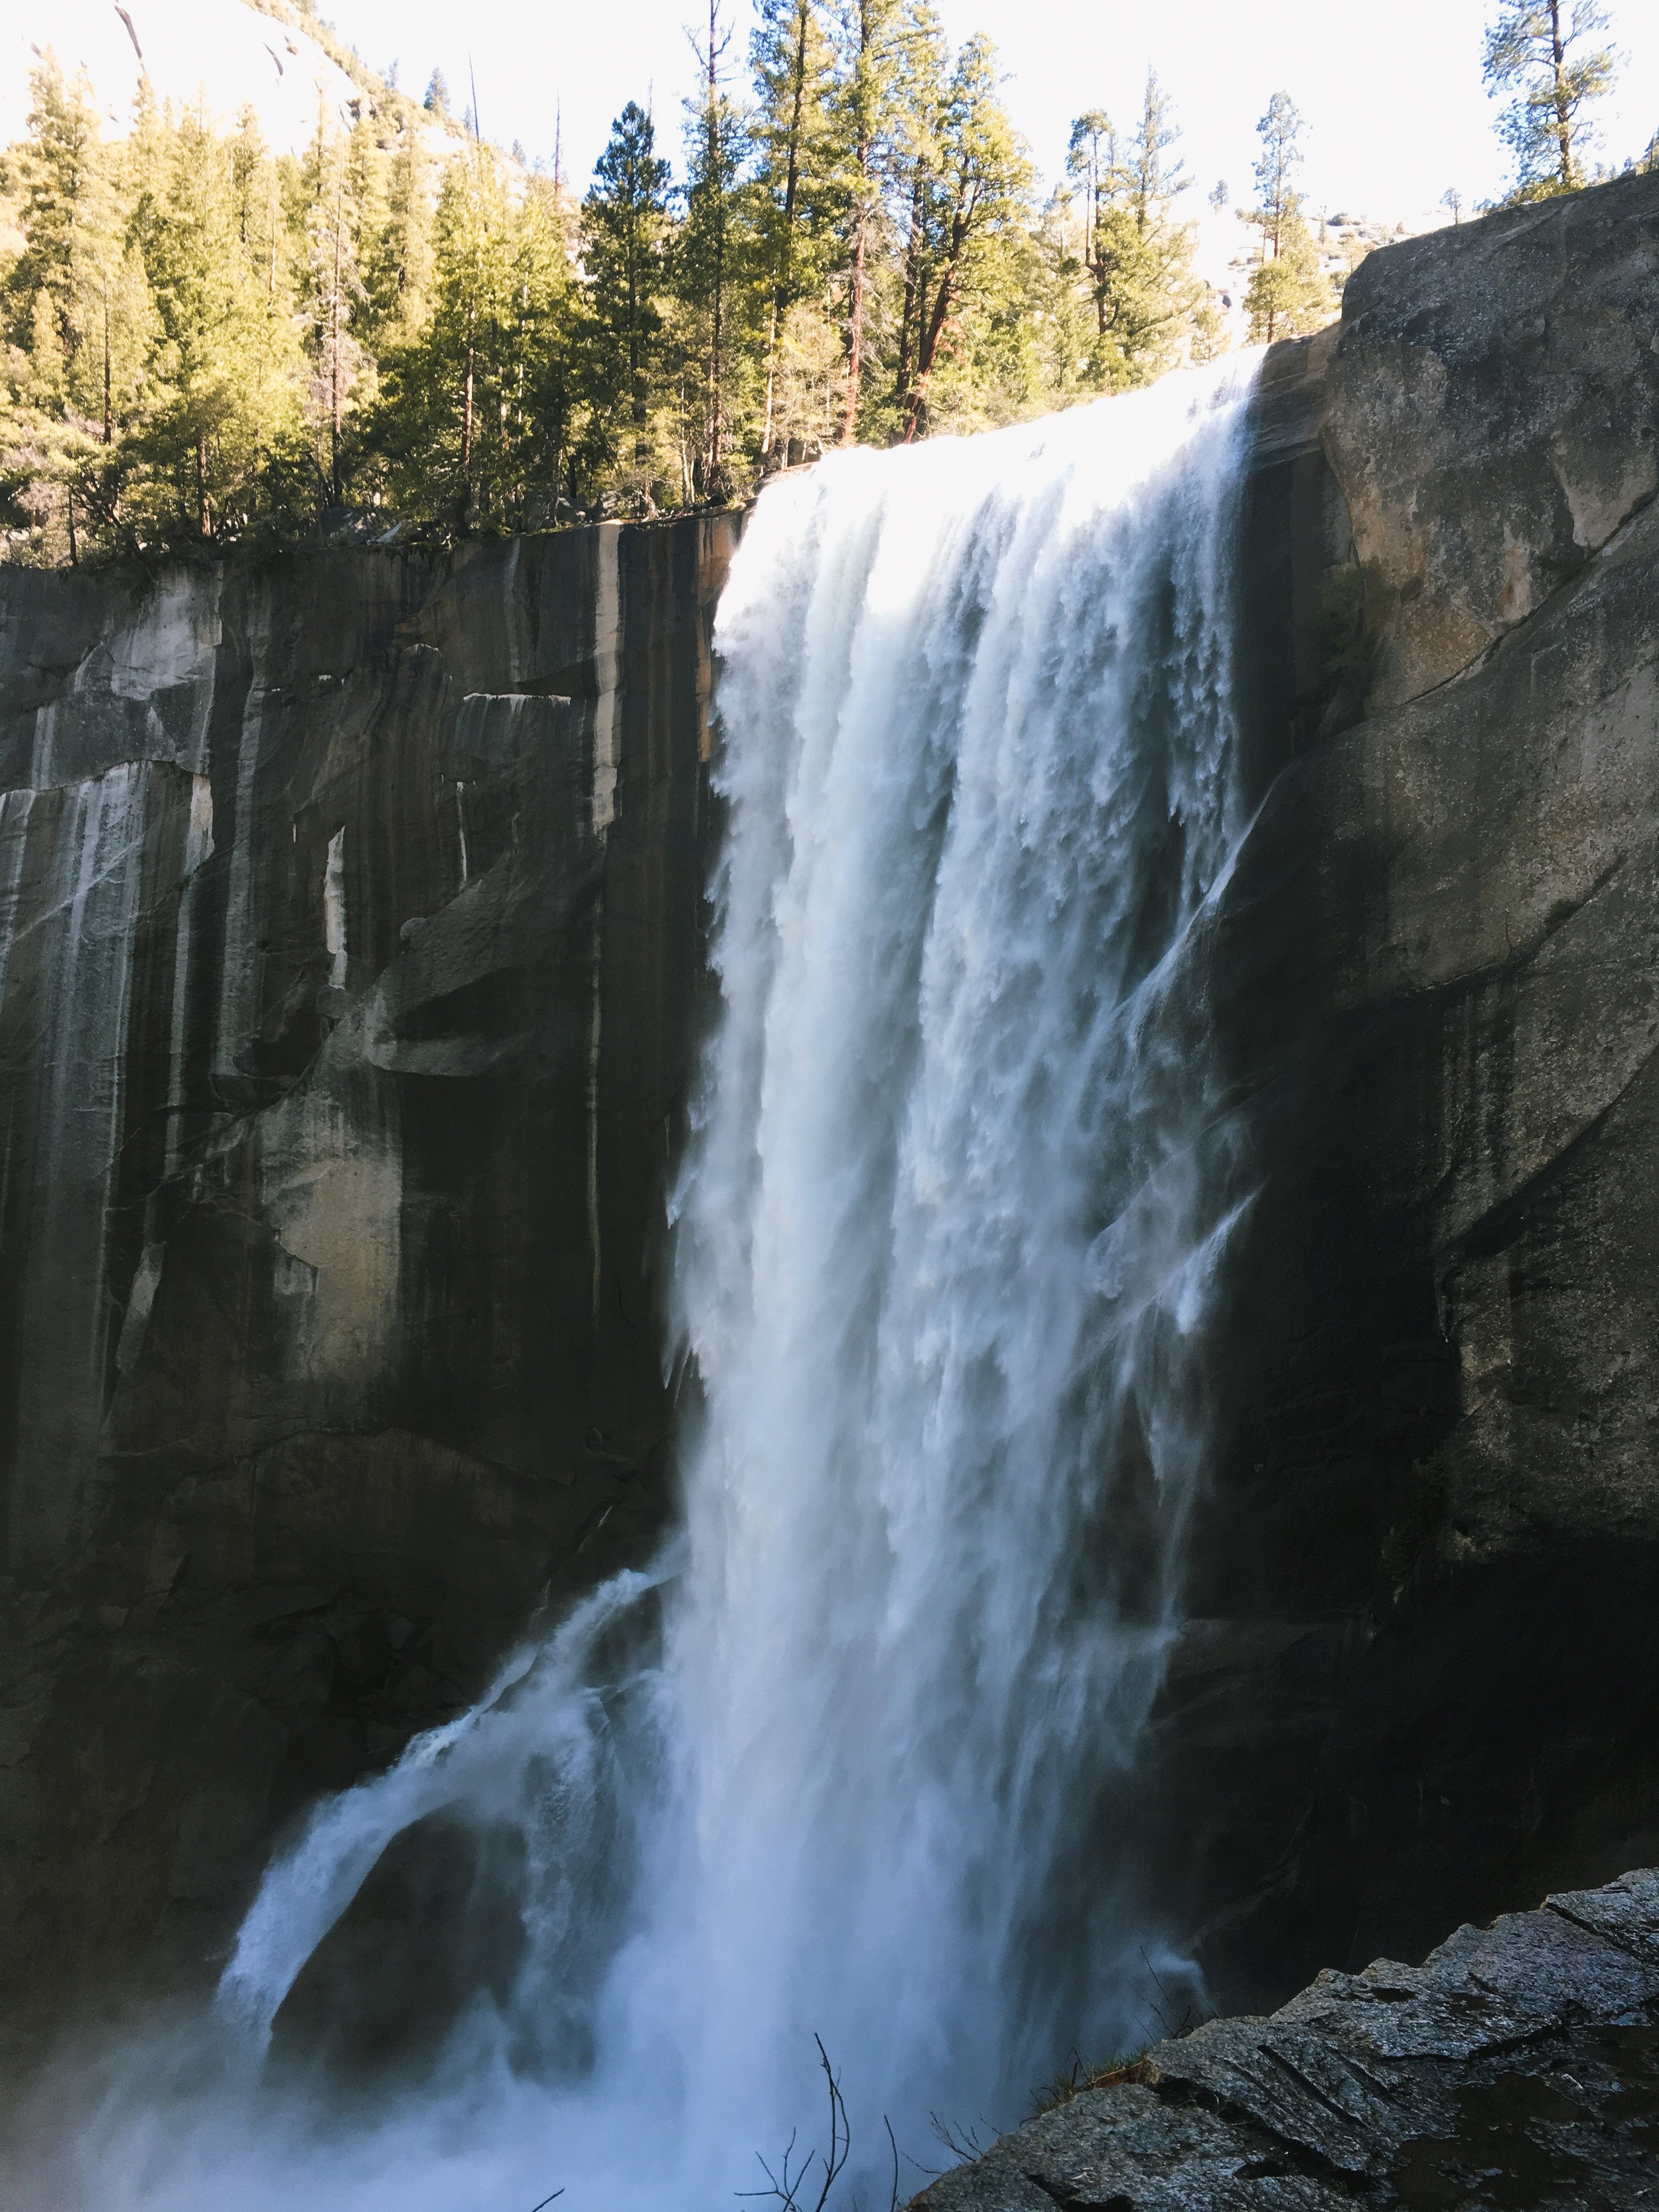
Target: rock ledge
(1517,2066)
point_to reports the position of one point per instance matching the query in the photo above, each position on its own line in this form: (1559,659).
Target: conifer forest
(836,235)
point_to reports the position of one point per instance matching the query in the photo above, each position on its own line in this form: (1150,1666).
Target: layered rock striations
(350,949)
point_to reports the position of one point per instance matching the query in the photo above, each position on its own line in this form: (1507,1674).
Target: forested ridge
(841,237)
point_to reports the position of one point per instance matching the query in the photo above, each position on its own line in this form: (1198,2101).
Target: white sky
(1392,92)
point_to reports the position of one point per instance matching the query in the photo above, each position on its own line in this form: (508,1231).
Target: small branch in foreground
(781,2185)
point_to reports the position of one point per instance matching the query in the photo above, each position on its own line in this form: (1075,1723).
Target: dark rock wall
(1423,1682)
(350,956)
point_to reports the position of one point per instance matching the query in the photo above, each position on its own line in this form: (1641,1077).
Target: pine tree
(871,37)
(1548,60)
(624,236)
(58,170)
(1060,307)
(1091,161)
(80,333)
(435,416)
(332,289)
(793,67)
(708,262)
(225,426)
(540,374)
(968,197)
(397,248)
(1148,303)
(1287,295)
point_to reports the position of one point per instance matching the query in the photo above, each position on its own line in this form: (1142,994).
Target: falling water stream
(856,1760)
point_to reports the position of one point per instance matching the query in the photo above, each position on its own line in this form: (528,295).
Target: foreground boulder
(1517,2066)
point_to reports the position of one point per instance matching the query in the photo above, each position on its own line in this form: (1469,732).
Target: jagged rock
(1518,2065)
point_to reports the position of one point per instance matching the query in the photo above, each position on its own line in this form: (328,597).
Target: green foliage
(1288,294)
(1148,304)
(625,247)
(479,413)
(714,253)
(1548,60)
(970,180)
(401,325)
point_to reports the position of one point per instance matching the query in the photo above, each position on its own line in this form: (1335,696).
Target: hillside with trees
(403,331)
(841,237)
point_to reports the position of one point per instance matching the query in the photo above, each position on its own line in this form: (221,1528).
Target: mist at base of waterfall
(854,1765)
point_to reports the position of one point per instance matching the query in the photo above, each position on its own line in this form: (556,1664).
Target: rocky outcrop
(1421,1681)
(350,952)
(1518,2065)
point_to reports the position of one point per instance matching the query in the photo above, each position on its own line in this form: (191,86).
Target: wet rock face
(350,957)
(1517,2066)
(1422,1680)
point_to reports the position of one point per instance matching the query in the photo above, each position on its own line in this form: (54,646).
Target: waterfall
(856,1762)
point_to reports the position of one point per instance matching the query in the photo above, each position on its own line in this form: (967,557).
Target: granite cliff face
(349,948)
(1517,2066)
(349,959)
(1421,1682)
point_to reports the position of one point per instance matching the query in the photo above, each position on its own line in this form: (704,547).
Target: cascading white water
(944,1243)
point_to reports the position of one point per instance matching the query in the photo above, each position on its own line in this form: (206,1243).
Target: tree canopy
(1549,59)
(401,330)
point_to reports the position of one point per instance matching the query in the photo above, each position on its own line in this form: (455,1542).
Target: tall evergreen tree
(794,131)
(624,239)
(871,37)
(710,256)
(59,169)
(1287,295)
(226,413)
(1551,61)
(396,247)
(1148,303)
(969,196)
